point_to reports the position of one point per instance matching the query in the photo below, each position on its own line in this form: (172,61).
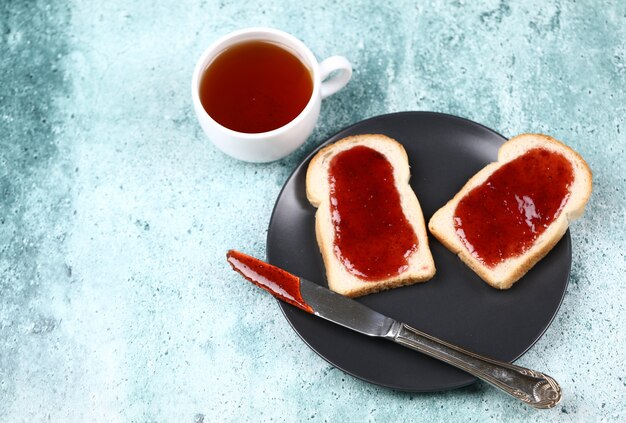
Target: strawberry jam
(373,238)
(501,218)
(278,282)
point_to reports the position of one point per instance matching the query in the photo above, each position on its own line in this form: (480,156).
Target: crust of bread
(421,265)
(505,274)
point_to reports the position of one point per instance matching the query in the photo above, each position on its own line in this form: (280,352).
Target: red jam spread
(373,238)
(501,218)
(277,282)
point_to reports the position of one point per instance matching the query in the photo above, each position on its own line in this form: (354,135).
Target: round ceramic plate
(456,305)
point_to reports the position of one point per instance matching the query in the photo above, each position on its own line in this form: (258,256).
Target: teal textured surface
(116,301)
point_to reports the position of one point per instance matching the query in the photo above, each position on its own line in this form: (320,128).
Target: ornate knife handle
(529,386)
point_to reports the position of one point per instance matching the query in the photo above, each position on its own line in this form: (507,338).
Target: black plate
(444,152)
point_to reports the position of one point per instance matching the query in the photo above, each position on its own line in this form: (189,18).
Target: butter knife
(529,386)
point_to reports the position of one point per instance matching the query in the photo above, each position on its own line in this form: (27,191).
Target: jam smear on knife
(278,282)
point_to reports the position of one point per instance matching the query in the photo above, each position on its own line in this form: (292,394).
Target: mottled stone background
(116,303)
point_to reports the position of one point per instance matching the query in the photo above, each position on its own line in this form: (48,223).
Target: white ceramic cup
(272,145)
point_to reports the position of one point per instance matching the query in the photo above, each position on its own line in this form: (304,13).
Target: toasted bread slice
(504,274)
(419,262)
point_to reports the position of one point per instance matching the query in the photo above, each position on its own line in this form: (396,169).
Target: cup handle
(338,81)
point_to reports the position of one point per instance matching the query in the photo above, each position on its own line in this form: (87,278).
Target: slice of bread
(504,274)
(420,265)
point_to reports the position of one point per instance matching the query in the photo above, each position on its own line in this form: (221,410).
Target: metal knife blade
(345,311)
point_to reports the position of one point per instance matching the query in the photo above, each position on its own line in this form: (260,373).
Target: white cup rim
(225,41)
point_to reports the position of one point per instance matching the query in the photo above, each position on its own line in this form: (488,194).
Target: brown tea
(255,86)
